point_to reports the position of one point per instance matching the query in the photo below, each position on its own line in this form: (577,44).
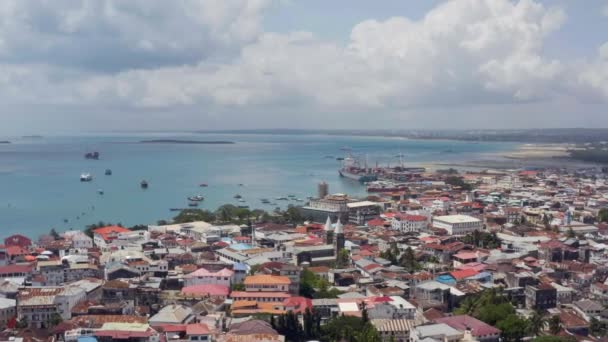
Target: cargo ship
(351,169)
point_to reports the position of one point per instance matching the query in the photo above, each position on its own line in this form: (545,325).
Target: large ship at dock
(352,169)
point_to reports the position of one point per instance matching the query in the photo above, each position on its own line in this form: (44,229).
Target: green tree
(22,323)
(513,328)
(550,338)
(293,215)
(237,287)
(458,182)
(570,233)
(598,328)
(138,227)
(364,316)
(489,306)
(309,324)
(55,319)
(54,234)
(536,323)
(408,260)
(348,328)
(602,215)
(554,324)
(343,258)
(255,269)
(193,215)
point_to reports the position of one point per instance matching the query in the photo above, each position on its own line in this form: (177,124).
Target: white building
(79,239)
(406,223)
(458,224)
(40,305)
(204,277)
(8,310)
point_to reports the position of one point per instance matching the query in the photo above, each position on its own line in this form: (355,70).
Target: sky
(113,65)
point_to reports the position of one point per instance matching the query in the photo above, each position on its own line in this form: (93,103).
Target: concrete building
(267,283)
(8,311)
(541,297)
(458,224)
(409,223)
(41,306)
(203,277)
(361,212)
(334,206)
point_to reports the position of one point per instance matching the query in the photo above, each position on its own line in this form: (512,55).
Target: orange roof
(267,279)
(463,274)
(105,232)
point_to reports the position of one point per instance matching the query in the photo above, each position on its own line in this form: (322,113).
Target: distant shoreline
(176,141)
(5,142)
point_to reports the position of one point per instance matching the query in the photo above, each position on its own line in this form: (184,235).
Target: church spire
(327,224)
(338,228)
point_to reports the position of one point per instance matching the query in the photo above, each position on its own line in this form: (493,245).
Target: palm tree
(536,323)
(554,324)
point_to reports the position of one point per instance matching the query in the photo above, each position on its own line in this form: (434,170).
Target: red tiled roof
(206,289)
(16,269)
(376,222)
(267,279)
(462,322)
(462,274)
(300,304)
(244,294)
(407,217)
(197,329)
(107,231)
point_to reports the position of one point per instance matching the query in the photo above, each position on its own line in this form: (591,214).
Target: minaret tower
(338,237)
(329,232)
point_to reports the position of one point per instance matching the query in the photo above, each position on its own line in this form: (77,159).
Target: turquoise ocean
(40,187)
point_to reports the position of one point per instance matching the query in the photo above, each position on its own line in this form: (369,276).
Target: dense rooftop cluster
(442,256)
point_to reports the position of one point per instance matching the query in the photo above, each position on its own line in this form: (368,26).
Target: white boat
(86,177)
(197,198)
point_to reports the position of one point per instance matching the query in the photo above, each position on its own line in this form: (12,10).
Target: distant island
(32,137)
(4,142)
(173,141)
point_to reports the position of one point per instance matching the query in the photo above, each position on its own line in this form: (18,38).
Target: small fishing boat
(203,185)
(193,204)
(100,191)
(243,206)
(237,196)
(86,177)
(241,200)
(143,184)
(92,155)
(197,198)
(108,172)
(282,199)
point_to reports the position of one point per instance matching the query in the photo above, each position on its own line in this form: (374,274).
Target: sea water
(40,187)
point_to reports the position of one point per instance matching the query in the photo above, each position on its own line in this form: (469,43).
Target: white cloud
(461,53)
(118,35)
(468,51)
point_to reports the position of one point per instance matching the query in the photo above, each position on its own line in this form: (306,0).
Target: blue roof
(446,279)
(87,339)
(238,266)
(481,275)
(241,246)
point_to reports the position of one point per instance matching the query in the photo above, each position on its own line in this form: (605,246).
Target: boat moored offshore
(86,177)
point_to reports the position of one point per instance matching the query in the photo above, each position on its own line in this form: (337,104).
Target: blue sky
(148,64)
